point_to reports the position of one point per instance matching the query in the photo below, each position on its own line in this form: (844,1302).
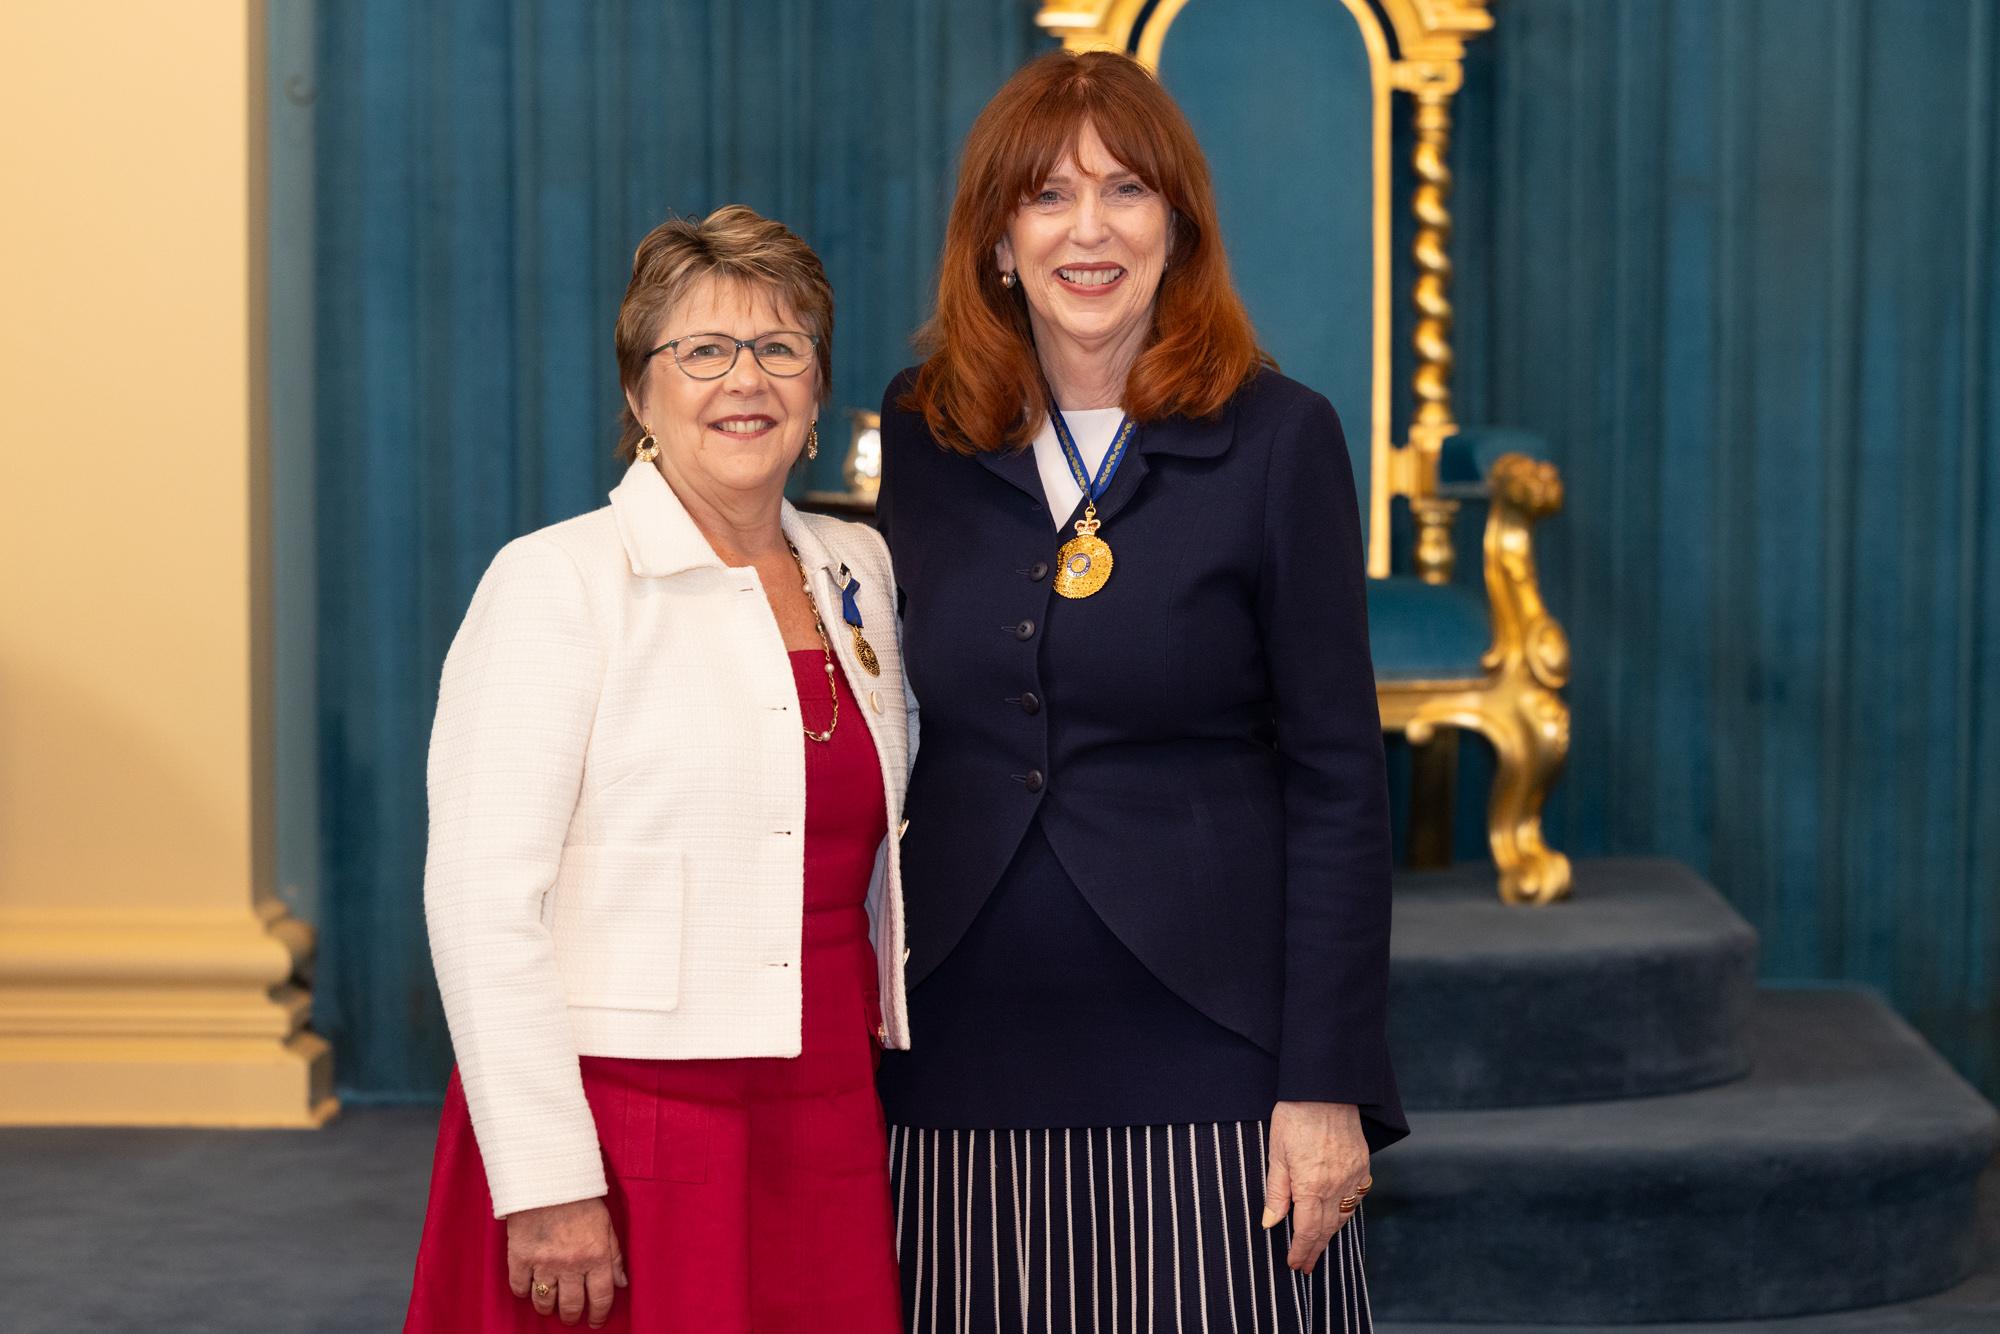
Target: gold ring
(1364,1187)
(543,1290)
(1347,1203)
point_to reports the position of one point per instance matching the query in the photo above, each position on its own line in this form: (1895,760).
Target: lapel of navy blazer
(617,801)
(1199,740)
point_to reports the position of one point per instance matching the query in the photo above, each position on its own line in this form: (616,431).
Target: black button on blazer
(1199,739)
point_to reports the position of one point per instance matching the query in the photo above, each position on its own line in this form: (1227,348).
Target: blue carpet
(280,1232)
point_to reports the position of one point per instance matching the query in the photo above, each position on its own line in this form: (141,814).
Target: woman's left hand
(1319,1158)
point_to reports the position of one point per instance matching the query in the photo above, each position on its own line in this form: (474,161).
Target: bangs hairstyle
(980,387)
(735,244)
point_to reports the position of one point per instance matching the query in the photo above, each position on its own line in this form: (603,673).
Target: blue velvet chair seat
(1426,632)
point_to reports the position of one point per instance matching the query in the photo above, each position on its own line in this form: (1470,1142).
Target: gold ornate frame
(1516,704)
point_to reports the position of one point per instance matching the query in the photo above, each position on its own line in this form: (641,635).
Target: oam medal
(1084,562)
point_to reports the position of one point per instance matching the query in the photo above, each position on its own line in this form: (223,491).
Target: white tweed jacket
(617,817)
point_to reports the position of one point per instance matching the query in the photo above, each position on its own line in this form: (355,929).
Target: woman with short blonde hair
(665,904)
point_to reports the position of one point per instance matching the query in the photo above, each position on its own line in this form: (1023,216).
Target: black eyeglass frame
(812,341)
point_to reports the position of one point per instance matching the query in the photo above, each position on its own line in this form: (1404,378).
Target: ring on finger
(1349,1204)
(1364,1188)
(543,1291)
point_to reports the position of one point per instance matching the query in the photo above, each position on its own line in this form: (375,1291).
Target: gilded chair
(1293,101)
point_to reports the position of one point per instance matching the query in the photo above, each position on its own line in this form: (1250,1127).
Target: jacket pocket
(616,919)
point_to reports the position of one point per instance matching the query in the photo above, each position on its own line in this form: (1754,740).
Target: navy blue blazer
(1200,739)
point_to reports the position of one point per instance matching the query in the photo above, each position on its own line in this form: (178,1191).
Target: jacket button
(1033,782)
(1025,630)
(1031,703)
(1039,571)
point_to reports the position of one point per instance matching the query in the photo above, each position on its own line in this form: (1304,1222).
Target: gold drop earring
(649,448)
(812,439)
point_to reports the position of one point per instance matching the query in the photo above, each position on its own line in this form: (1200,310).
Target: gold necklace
(825,647)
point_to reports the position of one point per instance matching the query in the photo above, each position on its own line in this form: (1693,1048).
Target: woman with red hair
(1147,844)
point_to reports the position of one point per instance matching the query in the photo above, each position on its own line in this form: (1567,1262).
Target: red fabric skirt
(747,1194)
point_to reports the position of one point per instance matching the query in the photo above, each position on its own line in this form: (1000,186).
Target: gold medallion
(866,652)
(1084,562)
(1082,566)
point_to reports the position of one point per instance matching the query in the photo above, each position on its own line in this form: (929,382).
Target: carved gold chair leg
(1526,719)
(1528,726)
(1529,729)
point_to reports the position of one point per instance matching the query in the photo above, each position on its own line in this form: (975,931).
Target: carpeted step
(1841,1173)
(1639,984)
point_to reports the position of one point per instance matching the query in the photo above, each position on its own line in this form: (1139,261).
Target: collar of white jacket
(661,538)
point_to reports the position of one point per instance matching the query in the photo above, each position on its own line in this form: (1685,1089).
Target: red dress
(747,1194)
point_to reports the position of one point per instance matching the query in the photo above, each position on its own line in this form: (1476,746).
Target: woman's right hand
(565,1257)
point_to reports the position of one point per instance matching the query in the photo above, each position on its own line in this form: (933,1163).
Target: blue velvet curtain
(483,170)
(1740,261)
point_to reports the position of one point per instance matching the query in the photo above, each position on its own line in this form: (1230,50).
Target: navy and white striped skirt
(1144,1229)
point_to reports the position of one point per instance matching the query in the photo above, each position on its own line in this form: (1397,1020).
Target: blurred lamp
(863,467)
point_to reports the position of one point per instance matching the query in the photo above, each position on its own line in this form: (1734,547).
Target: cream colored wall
(134,827)
(125,626)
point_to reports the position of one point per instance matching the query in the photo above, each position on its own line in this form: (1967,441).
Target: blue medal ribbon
(1093,488)
(850,610)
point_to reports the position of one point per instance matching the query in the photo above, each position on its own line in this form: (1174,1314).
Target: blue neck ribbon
(1092,487)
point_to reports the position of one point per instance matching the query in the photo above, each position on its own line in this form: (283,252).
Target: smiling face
(737,436)
(1088,248)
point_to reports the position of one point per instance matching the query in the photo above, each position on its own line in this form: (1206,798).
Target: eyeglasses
(710,356)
